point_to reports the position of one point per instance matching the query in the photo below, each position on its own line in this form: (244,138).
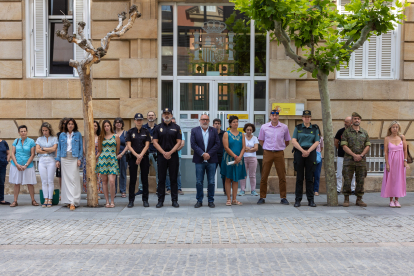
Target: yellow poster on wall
(243,119)
(288,108)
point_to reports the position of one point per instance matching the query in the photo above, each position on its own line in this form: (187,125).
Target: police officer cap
(138,116)
(167,110)
(307,113)
(354,114)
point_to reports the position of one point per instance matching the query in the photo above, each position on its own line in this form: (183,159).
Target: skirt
(71,186)
(26,177)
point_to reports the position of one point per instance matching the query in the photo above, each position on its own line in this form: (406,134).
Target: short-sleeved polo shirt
(274,137)
(167,135)
(138,139)
(307,136)
(23,151)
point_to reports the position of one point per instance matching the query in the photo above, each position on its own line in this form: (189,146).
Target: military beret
(354,114)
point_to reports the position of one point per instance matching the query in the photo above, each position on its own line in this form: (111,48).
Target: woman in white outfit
(22,171)
(46,146)
(250,159)
(69,156)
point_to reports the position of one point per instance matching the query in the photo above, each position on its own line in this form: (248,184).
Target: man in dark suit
(205,142)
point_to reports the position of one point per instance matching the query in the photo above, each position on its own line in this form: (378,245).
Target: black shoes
(339,192)
(261,201)
(130,204)
(353,193)
(284,201)
(175,204)
(140,192)
(211,205)
(198,204)
(145,203)
(311,203)
(297,203)
(159,204)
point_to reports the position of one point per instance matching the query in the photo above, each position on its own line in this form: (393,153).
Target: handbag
(318,157)
(55,199)
(409,157)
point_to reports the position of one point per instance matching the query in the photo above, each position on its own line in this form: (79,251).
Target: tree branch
(285,40)
(118,32)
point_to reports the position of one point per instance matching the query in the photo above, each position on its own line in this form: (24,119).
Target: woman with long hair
(97,131)
(232,165)
(107,165)
(46,146)
(122,163)
(69,156)
(395,150)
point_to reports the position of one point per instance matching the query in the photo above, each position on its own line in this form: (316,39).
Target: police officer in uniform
(355,142)
(305,139)
(167,139)
(138,140)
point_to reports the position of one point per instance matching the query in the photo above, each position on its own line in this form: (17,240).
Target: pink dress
(393,183)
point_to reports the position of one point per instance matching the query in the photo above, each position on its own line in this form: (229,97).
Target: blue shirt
(4,147)
(152,149)
(47,143)
(206,135)
(23,152)
(179,152)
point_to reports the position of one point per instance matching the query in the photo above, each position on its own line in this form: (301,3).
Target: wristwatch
(42,149)
(405,160)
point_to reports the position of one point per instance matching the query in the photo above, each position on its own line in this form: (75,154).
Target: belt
(273,150)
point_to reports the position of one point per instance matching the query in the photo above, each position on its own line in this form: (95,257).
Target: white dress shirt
(69,141)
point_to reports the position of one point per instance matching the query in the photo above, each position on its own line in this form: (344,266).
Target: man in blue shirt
(152,117)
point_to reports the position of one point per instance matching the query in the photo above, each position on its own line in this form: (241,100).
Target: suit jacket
(197,144)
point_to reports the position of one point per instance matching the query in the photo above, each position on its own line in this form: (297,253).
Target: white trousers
(339,166)
(47,170)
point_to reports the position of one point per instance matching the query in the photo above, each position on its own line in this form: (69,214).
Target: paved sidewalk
(269,239)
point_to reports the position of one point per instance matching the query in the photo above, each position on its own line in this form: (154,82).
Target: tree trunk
(86,82)
(329,147)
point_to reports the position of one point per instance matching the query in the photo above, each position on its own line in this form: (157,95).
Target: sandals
(107,205)
(123,195)
(235,202)
(112,205)
(228,203)
(49,203)
(44,205)
(14,204)
(34,203)
(72,207)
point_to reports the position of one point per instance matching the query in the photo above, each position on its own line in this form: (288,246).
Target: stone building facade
(136,75)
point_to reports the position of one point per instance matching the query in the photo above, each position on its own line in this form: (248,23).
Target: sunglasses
(273,112)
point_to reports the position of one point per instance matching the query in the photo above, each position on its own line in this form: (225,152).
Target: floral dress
(98,176)
(107,161)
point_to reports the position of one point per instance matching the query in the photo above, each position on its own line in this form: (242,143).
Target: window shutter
(79,15)
(358,62)
(40,38)
(386,61)
(341,6)
(372,56)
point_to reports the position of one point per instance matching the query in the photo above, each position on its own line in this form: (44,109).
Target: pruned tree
(328,39)
(92,56)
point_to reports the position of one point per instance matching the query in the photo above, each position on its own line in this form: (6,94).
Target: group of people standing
(232,150)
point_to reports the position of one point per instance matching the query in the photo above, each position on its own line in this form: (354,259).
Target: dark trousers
(304,167)
(172,165)
(133,169)
(2,179)
(223,178)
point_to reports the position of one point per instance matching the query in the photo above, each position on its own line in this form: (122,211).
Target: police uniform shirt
(138,139)
(151,130)
(167,135)
(306,136)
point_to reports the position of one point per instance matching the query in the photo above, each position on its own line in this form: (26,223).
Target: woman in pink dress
(395,149)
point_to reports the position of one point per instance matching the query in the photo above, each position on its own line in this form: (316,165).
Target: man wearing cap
(167,140)
(151,117)
(138,140)
(355,142)
(305,139)
(274,137)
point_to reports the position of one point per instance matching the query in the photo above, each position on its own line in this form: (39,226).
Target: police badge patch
(133,135)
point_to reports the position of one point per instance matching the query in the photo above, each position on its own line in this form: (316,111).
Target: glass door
(194,101)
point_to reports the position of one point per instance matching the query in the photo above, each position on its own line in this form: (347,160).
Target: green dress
(238,171)
(107,161)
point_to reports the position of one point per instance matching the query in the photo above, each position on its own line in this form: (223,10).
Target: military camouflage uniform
(356,142)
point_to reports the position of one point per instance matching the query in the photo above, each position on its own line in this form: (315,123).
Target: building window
(50,54)
(376,59)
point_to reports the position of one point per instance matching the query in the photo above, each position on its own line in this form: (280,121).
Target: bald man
(341,154)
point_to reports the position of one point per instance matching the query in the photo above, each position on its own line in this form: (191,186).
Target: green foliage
(327,37)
